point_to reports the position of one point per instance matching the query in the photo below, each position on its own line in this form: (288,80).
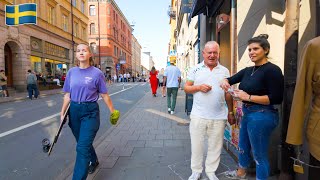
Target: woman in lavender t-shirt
(82,87)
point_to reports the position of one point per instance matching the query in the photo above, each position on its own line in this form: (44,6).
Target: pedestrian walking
(115,78)
(172,77)
(82,87)
(261,87)
(3,83)
(32,85)
(209,111)
(162,83)
(153,81)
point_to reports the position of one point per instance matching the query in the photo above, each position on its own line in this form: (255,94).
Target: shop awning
(207,7)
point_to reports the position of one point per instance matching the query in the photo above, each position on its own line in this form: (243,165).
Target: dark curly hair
(262,41)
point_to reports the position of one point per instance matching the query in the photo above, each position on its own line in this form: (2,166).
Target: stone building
(44,48)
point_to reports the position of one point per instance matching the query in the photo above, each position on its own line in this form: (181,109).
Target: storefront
(51,60)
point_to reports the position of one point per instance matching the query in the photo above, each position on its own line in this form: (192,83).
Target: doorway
(8,65)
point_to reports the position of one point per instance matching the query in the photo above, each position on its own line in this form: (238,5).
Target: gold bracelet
(249,98)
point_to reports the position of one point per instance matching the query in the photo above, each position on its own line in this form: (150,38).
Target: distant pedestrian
(162,83)
(32,85)
(114,78)
(261,87)
(153,81)
(3,83)
(209,112)
(82,88)
(172,79)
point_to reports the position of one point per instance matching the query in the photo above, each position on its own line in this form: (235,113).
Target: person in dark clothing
(261,87)
(32,85)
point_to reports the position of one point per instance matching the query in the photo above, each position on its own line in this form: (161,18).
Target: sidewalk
(18,96)
(148,144)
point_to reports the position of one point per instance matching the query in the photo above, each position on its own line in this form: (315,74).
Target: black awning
(198,7)
(207,7)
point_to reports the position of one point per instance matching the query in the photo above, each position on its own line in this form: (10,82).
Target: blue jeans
(84,122)
(31,88)
(257,124)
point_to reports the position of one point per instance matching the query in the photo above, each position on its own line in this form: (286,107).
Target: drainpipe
(232,37)
(290,74)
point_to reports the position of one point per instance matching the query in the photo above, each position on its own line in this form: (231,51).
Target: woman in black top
(261,87)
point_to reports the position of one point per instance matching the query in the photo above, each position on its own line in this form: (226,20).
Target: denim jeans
(257,124)
(84,122)
(31,88)
(172,91)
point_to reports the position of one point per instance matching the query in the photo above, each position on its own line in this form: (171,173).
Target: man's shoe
(195,176)
(93,167)
(233,175)
(169,110)
(172,112)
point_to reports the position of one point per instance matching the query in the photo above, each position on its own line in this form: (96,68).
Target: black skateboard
(46,145)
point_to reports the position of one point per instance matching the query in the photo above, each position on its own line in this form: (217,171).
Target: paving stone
(134,143)
(154,143)
(164,136)
(147,136)
(108,162)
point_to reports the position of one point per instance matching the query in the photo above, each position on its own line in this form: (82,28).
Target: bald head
(211,43)
(211,53)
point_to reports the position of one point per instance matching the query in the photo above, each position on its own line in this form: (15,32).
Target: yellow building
(45,48)
(173,33)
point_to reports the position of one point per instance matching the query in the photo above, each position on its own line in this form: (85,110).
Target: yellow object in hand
(114,117)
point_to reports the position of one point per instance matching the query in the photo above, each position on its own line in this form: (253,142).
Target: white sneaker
(172,112)
(212,177)
(195,176)
(169,110)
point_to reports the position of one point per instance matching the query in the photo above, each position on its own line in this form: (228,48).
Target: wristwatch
(231,113)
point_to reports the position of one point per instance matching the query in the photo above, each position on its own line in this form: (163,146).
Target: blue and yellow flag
(21,14)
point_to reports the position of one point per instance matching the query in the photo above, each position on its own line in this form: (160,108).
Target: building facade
(110,37)
(136,57)
(46,48)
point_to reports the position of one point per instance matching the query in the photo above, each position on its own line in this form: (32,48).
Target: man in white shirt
(209,111)
(172,79)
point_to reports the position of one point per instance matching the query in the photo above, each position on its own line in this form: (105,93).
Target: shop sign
(186,6)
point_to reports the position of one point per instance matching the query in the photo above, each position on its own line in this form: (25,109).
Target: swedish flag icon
(21,14)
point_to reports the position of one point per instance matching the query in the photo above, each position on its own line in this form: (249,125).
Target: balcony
(171,12)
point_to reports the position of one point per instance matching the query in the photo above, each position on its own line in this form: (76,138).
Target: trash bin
(188,103)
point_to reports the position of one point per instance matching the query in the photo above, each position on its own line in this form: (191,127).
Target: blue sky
(151,25)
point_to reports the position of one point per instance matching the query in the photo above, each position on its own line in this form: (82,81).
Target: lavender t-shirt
(84,85)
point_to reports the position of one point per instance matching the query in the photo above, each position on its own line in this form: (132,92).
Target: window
(76,30)
(92,28)
(84,35)
(92,10)
(51,14)
(114,50)
(65,22)
(74,3)
(82,6)
(93,47)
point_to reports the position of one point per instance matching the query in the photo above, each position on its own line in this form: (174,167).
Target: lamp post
(72,48)
(99,33)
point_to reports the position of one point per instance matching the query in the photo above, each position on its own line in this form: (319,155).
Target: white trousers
(214,130)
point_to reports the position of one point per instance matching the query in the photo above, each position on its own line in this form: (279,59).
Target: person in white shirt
(209,111)
(114,78)
(125,77)
(172,79)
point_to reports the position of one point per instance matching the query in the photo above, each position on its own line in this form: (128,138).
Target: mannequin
(306,105)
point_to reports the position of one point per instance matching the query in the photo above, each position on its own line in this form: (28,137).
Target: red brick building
(108,27)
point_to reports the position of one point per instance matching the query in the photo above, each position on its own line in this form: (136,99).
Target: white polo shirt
(210,105)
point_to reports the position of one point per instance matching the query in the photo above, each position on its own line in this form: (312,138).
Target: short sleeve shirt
(173,74)
(85,85)
(210,105)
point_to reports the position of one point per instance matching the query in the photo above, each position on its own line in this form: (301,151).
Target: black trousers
(314,173)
